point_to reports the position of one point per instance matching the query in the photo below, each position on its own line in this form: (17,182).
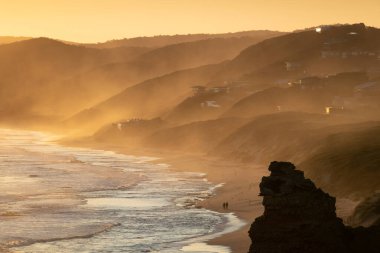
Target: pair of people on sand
(225,205)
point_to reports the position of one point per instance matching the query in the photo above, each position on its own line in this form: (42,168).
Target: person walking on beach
(226,205)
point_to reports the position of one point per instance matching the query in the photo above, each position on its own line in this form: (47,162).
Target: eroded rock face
(299,217)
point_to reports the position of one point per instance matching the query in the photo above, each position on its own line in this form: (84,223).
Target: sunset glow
(100,20)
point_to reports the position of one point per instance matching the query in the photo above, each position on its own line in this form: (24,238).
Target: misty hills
(11,39)
(261,65)
(30,71)
(144,100)
(58,79)
(161,61)
(165,40)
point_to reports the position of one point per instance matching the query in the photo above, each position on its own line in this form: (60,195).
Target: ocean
(62,199)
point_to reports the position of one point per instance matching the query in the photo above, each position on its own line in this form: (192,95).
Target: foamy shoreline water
(155,202)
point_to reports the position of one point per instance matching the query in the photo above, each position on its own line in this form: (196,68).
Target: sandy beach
(240,189)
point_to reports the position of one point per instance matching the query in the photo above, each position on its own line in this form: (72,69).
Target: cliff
(299,217)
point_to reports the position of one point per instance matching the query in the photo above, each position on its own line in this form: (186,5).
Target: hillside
(11,39)
(158,62)
(30,72)
(165,40)
(332,150)
(274,100)
(347,162)
(311,94)
(146,100)
(339,49)
(200,107)
(196,137)
(305,46)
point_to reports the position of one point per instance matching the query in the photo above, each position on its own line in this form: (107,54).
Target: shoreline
(240,189)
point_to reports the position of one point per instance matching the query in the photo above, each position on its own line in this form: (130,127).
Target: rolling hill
(165,40)
(30,72)
(157,62)
(305,47)
(11,39)
(145,100)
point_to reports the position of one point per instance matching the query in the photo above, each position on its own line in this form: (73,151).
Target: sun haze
(100,20)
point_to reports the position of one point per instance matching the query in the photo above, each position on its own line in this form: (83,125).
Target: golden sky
(100,20)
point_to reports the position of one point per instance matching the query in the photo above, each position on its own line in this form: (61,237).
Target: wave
(26,242)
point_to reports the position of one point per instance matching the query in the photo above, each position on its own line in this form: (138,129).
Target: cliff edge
(299,217)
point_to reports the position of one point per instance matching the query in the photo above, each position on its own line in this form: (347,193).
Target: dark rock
(299,217)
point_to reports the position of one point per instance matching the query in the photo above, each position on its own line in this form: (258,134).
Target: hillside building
(292,65)
(308,83)
(198,90)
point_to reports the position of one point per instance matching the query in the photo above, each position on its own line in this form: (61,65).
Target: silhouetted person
(226,205)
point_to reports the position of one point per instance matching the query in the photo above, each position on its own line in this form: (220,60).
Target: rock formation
(299,217)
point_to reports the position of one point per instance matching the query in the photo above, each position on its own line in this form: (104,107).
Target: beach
(73,199)
(239,186)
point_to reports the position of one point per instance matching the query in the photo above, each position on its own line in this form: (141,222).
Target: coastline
(240,189)
(240,186)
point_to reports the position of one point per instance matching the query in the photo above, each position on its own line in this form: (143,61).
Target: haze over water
(99,201)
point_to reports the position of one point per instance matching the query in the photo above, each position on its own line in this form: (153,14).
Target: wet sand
(240,189)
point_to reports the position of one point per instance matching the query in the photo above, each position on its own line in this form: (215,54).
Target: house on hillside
(348,29)
(198,90)
(123,124)
(219,89)
(211,104)
(323,28)
(325,54)
(202,90)
(329,53)
(137,123)
(292,65)
(236,84)
(309,83)
(330,110)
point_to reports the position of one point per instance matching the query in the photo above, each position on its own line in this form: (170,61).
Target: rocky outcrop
(299,217)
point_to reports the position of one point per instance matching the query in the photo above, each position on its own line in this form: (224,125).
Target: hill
(347,162)
(165,40)
(11,39)
(157,62)
(338,49)
(339,153)
(145,100)
(196,137)
(270,55)
(30,72)
(311,94)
